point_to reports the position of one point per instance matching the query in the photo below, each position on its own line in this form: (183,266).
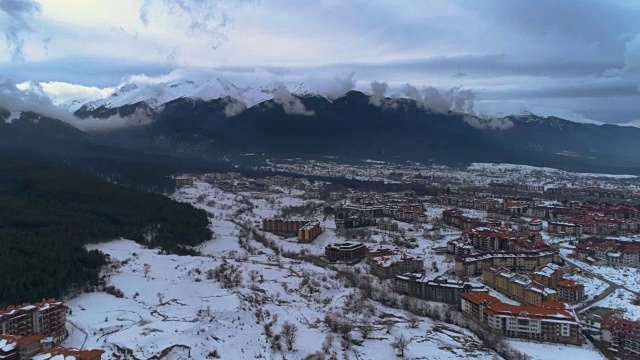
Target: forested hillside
(49,211)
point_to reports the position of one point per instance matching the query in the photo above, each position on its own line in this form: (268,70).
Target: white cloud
(291,104)
(61,92)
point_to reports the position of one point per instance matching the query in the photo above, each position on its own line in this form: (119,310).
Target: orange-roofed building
(63,353)
(552,321)
(570,291)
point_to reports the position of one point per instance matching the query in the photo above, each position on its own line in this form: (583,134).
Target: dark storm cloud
(19,13)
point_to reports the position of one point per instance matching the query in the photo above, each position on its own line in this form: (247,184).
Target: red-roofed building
(550,322)
(47,318)
(63,353)
(387,266)
(622,337)
(570,291)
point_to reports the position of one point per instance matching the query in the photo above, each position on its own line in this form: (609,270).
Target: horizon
(553,61)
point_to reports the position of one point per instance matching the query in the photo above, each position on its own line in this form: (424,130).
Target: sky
(577,59)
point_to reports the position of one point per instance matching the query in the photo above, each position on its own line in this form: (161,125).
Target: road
(611,288)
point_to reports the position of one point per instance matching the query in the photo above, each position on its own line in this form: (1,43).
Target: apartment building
(550,322)
(59,353)
(379,250)
(622,336)
(440,288)
(349,252)
(19,347)
(518,287)
(387,266)
(564,228)
(549,275)
(305,230)
(308,232)
(471,265)
(570,291)
(46,318)
(610,252)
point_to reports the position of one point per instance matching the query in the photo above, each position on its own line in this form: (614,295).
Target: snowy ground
(592,286)
(179,308)
(539,351)
(622,300)
(624,276)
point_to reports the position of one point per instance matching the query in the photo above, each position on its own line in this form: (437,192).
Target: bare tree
(366,328)
(289,333)
(327,343)
(160,297)
(413,321)
(145,269)
(345,327)
(401,344)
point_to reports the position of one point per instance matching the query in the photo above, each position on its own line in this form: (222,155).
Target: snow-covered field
(622,300)
(538,351)
(236,296)
(625,276)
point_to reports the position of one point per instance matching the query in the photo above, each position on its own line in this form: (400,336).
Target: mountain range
(215,118)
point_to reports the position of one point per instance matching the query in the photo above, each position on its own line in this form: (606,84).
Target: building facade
(387,266)
(305,230)
(47,318)
(622,336)
(440,289)
(570,291)
(471,265)
(518,287)
(550,322)
(345,252)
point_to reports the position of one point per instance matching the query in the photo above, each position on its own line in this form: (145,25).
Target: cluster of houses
(599,251)
(521,261)
(544,284)
(384,261)
(495,239)
(305,230)
(34,331)
(572,218)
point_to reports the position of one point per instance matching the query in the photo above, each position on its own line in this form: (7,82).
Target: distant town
(506,255)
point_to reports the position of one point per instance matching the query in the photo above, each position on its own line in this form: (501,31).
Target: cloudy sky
(575,58)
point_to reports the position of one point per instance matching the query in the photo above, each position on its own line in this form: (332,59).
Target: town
(515,266)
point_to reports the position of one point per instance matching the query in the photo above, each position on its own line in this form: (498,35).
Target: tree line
(49,211)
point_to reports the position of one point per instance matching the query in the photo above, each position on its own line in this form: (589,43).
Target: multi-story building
(19,347)
(47,318)
(440,289)
(349,252)
(570,291)
(305,230)
(380,250)
(623,337)
(550,322)
(611,252)
(460,246)
(387,225)
(518,287)
(503,239)
(387,266)
(309,232)
(564,228)
(57,353)
(185,181)
(549,275)
(470,265)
